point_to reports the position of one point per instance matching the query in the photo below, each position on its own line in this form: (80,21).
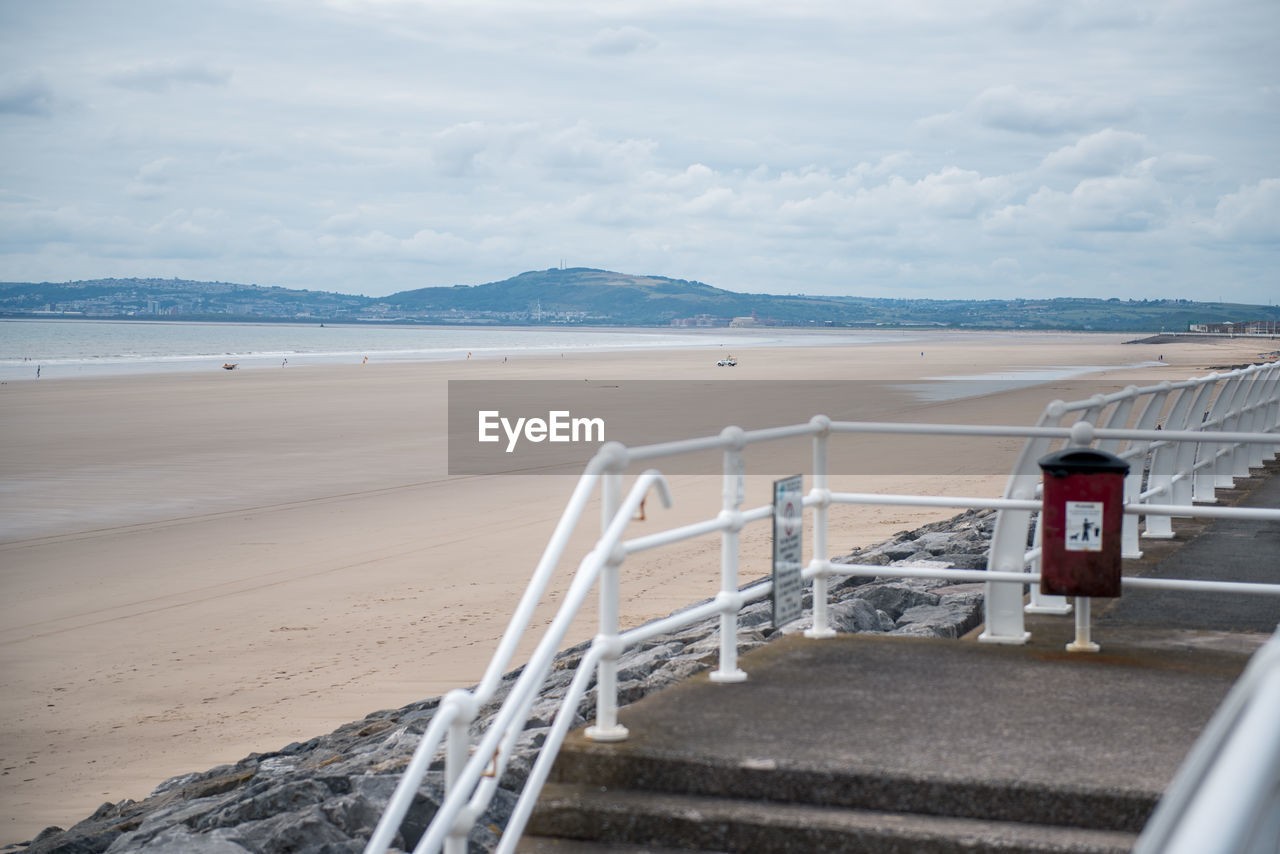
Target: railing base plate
(728,676)
(1011,640)
(607,734)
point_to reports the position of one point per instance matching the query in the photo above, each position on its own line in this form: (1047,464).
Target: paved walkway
(1224,550)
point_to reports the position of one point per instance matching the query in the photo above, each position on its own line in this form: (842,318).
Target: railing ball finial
(736,437)
(821,423)
(733,520)
(1082,434)
(612,456)
(1056,409)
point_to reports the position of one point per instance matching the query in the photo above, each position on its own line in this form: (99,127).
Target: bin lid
(1082,461)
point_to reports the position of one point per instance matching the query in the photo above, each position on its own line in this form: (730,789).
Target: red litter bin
(1083,517)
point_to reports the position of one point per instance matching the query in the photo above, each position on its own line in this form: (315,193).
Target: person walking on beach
(38,371)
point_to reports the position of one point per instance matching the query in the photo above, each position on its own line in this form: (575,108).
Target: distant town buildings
(1247,327)
(701,320)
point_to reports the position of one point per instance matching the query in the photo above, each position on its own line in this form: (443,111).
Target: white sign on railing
(788,523)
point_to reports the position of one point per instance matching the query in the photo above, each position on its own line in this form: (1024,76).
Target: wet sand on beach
(199,566)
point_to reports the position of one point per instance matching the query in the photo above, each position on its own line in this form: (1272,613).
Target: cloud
(530,151)
(153,178)
(619,41)
(26,94)
(169,75)
(1113,203)
(1251,215)
(1175,166)
(1106,152)
(1009,108)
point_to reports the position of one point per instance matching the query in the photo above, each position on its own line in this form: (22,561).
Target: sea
(61,348)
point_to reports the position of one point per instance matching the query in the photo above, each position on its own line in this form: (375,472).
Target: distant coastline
(585,297)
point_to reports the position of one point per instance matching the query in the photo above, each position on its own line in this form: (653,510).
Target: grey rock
(895,597)
(674,672)
(898,551)
(303,830)
(639,664)
(854,615)
(936,543)
(964,561)
(885,621)
(179,838)
(950,618)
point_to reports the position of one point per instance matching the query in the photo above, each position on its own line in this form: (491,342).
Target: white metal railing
(1167,448)
(1162,471)
(1225,799)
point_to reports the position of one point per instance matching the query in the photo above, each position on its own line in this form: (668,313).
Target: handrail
(1230,775)
(463,704)
(1242,419)
(496,744)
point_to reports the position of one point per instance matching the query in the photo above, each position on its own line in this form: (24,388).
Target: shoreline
(206,569)
(582,341)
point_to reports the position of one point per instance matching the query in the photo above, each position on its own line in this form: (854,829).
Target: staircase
(751,807)
(896,745)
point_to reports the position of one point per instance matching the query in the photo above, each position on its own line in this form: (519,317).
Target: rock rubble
(325,795)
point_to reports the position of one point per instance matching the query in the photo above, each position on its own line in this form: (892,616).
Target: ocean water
(87,348)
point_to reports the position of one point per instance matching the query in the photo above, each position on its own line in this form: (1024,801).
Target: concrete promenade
(873,743)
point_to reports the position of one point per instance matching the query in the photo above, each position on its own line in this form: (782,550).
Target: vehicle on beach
(727,362)
(229,366)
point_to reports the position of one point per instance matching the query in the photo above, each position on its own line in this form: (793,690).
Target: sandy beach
(200,566)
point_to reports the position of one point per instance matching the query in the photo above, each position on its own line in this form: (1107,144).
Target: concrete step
(600,817)
(840,785)
(551,845)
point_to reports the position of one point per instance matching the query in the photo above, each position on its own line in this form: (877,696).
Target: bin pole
(1082,643)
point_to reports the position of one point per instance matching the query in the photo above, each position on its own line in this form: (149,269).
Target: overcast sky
(905,148)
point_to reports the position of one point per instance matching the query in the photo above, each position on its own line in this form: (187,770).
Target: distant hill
(623,298)
(582,295)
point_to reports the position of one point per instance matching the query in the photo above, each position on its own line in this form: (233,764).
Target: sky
(915,148)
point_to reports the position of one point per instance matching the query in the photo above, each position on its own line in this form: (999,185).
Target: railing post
(1223,453)
(1137,477)
(1271,418)
(1165,462)
(457,752)
(1002,603)
(1043,603)
(1202,484)
(1255,407)
(1240,454)
(607,727)
(1260,422)
(729,598)
(1119,419)
(822,501)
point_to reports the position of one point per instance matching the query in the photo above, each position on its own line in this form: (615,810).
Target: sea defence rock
(325,795)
